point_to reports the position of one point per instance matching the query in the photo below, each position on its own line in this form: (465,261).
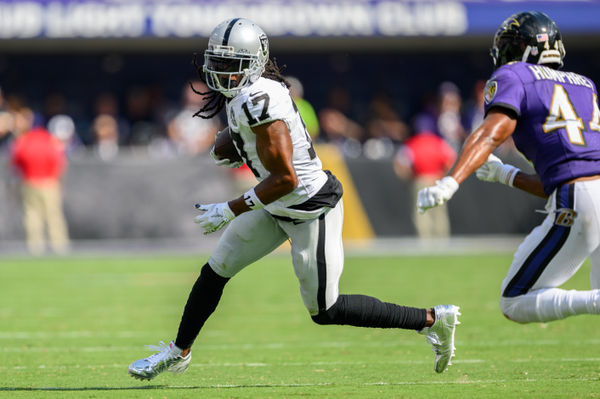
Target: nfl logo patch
(491,87)
(542,37)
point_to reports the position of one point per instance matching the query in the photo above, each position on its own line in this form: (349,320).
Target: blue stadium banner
(31,19)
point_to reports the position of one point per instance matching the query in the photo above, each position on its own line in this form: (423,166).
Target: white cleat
(441,335)
(167,358)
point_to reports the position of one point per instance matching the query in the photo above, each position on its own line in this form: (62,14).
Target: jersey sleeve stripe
(504,105)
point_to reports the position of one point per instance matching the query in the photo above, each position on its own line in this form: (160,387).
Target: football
(224,146)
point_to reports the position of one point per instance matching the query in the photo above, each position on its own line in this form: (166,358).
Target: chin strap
(526,53)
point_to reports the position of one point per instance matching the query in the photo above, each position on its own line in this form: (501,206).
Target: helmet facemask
(548,55)
(228,73)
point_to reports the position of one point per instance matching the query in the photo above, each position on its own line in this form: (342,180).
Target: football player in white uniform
(294,199)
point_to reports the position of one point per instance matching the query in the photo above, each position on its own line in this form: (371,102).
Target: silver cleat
(441,335)
(167,358)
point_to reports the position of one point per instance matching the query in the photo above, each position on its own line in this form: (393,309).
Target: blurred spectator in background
(142,116)
(55,103)
(306,110)
(474,117)
(6,125)
(474,107)
(449,123)
(40,161)
(337,127)
(428,114)
(187,134)
(106,103)
(63,128)
(106,137)
(385,128)
(426,157)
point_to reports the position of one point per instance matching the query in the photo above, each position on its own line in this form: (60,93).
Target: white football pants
(317,251)
(552,253)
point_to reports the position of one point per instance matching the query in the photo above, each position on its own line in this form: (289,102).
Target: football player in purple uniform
(294,200)
(554,119)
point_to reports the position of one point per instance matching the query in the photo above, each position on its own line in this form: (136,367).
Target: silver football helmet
(237,53)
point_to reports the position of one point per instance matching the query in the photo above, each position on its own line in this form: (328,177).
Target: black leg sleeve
(366,311)
(202,302)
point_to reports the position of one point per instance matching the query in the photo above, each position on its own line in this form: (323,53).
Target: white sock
(550,304)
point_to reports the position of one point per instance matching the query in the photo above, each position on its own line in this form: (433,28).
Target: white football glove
(215,216)
(224,161)
(493,170)
(432,196)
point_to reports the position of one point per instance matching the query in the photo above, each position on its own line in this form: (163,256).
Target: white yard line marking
(307,364)
(295,385)
(64,349)
(71,334)
(469,382)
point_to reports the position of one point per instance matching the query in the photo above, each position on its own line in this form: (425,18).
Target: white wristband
(507,174)
(252,200)
(450,183)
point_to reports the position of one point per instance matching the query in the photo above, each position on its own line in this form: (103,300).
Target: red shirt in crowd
(39,156)
(429,154)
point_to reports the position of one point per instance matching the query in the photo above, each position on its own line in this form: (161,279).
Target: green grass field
(69,327)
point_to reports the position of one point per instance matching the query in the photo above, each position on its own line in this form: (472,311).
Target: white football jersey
(266,101)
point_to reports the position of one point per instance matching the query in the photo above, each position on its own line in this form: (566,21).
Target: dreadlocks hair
(215,101)
(273,72)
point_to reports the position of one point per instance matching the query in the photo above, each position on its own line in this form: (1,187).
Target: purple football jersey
(558,126)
